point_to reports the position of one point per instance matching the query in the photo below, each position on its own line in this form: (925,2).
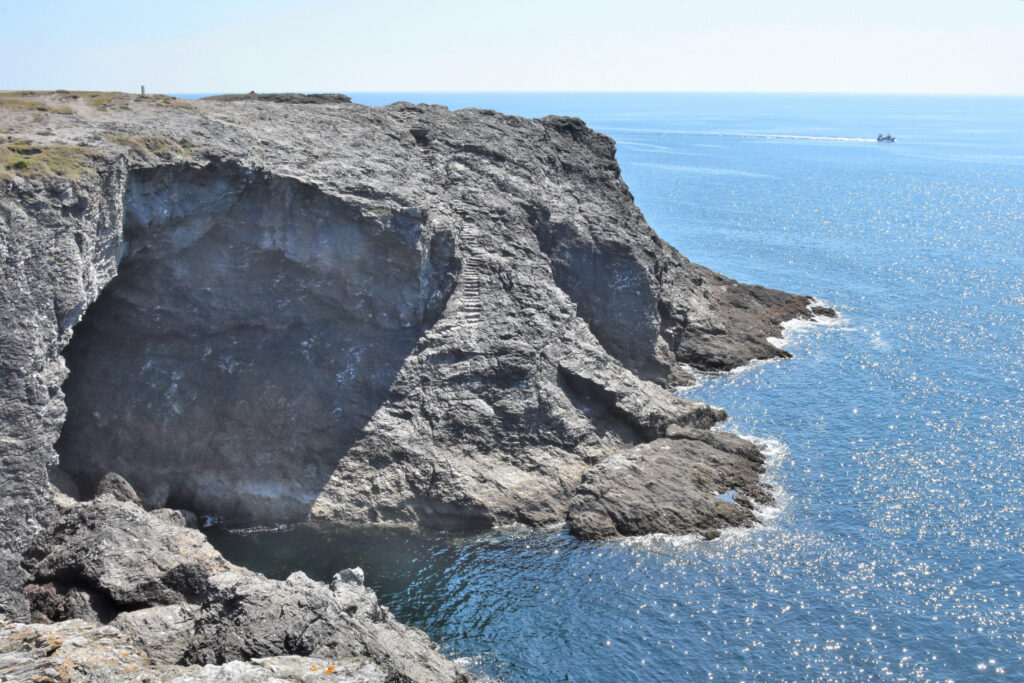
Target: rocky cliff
(287,309)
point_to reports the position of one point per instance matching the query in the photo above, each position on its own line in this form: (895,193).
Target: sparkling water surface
(895,434)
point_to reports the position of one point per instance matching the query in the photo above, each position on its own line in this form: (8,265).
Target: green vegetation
(168,101)
(17,100)
(149,146)
(47,161)
(104,100)
(27,100)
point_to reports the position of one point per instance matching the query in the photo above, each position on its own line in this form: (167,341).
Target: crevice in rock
(598,406)
(253,328)
(611,288)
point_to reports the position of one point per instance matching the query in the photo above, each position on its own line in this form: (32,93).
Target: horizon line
(536,92)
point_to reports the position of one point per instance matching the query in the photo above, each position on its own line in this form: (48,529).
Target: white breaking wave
(792,330)
(771,136)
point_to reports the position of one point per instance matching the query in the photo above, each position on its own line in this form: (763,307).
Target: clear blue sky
(903,46)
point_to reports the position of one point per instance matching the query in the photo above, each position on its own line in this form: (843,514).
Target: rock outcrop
(160,584)
(82,652)
(693,481)
(293,308)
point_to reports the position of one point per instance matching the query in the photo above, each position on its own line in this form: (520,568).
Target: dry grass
(104,100)
(149,146)
(17,100)
(47,161)
(168,101)
(29,100)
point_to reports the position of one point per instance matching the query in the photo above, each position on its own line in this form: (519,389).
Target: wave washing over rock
(281,309)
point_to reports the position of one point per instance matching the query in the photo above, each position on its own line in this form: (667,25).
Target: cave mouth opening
(254,327)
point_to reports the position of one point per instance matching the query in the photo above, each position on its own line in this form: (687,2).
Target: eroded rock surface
(162,585)
(78,651)
(290,308)
(356,315)
(693,481)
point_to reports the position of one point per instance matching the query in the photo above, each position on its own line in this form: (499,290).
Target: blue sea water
(896,434)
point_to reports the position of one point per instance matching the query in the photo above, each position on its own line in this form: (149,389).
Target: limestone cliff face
(313,310)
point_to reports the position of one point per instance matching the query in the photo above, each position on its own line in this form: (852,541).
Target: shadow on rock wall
(254,327)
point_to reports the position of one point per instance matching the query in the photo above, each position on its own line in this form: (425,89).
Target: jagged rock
(110,561)
(350,314)
(347,576)
(120,551)
(247,616)
(329,312)
(63,482)
(114,485)
(183,518)
(285,97)
(70,651)
(56,601)
(88,653)
(12,577)
(163,632)
(283,670)
(695,481)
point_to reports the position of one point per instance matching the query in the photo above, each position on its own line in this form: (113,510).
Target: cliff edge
(288,309)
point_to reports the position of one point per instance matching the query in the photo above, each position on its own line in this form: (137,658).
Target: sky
(211,46)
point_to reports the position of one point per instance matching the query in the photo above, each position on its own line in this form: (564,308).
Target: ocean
(895,434)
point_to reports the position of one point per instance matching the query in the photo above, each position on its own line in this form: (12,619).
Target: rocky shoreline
(281,309)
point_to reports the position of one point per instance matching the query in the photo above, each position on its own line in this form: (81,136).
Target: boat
(886,138)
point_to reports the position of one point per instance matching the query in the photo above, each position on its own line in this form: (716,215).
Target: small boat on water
(886,138)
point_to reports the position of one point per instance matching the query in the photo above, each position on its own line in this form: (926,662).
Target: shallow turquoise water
(896,434)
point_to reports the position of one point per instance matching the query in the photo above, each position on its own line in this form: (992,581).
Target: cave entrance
(254,327)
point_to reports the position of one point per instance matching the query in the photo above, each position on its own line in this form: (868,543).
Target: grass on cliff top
(108,100)
(149,146)
(47,161)
(17,101)
(101,100)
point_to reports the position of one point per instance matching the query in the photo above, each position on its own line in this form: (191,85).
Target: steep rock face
(255,325)
(309,309)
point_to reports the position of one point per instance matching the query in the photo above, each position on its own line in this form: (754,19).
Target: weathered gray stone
(348,576)
(183,518)
(350,314)
(163,632)
(695,481)
(109,561)
(330,312)
(89,653)
(12,578)
(125,554)
(63,482)
(115,486)
(246,616)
